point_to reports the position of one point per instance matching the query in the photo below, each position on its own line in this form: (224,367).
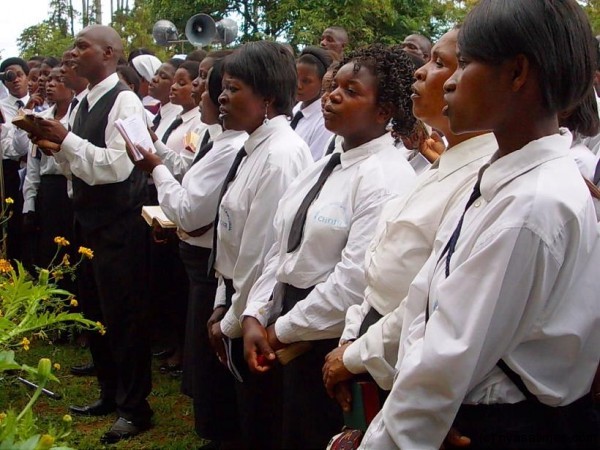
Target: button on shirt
(312,129)
(192,204)
(13,141)
(340,224)
(522,286)
(276,155)
(93,164)
(36,168)
(403,241)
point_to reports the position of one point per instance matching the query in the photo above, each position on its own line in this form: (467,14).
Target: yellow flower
(89,254)
(58,275)
(56,366)
(101,328)
(67,418)
(25,343)
(46,441)
(9,201)
(2,416)
(5,266)
(66,261)
(61,241)
(74,303)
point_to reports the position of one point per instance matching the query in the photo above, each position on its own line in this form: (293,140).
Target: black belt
(292,295)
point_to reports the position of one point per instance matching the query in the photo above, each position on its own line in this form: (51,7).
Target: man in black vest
(108,193)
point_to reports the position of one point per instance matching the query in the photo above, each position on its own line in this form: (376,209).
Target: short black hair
(554,35)
(395,76)
(14,61)
(139,51)
(196,55)
(269,69)
(51,61)
(190,67)
(175,62)
(318,57)
(131,77)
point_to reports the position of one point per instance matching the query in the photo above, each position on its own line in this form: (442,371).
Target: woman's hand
(334,371)
(272,339)
(259,356)
(149,160)
(215,335)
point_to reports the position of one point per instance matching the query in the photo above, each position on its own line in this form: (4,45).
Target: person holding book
(108,193)
(191,205)
(406,233)
(501,334)
(46,204)
(324,221)
(259,88)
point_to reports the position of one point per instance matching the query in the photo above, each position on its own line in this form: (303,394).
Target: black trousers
(112,292)
(12,189)
(530,425)
(205,379)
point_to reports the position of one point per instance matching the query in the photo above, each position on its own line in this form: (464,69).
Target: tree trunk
(98,11)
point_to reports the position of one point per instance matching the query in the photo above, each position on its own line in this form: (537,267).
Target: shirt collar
(96,92)
(465,153)
(357,154)
(13,100)
(169,108)
(227,134)
(310,110)
(501,171)
(214,131)
(191,114)
(82,94)
(265,131)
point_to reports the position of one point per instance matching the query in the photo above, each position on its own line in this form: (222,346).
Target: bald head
(105,37)
(418,45)
(96,53)
(335,40)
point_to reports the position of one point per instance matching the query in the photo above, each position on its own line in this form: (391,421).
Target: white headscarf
(146,65)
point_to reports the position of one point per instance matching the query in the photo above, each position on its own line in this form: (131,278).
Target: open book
(134,131)
(27,121)
(153,214)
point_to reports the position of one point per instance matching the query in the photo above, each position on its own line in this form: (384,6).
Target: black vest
(99,205)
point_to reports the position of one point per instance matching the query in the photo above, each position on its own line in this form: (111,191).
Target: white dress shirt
(585,159)
(168,113)
(402,243)
(522,287)
(276,155)
(312,129)
(14,142)
(36,168)
(96,165)
(339,225)
(192,204)
(191,122)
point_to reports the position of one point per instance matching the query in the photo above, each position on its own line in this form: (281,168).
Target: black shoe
(99,408)
(123,429)
(84,370)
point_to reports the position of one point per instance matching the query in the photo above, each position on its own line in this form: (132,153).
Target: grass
(173,413)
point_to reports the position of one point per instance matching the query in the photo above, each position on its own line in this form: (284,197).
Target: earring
(266,121)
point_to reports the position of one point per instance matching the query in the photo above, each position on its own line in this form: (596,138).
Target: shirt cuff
(352,360)
(285,331)
(69,143)
(259,312)
(230,325)
(29,205)
(161,174)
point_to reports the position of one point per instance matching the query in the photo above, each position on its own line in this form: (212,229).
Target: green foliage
(43,39)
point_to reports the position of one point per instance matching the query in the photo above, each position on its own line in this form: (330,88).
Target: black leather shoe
(98,408)
(84,370)
(123,429)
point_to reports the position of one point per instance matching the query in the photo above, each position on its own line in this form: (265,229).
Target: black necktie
(230,176)
(451,245)
(156,121)
(297,228)
(74,103)
(19,104)
(202,152)
(172,127)
(296,119)
(330,147)
(597,173)
(81,115)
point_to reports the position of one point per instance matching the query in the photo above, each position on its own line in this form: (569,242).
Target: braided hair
(395,75)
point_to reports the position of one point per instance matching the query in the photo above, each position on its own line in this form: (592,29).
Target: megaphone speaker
(200,30)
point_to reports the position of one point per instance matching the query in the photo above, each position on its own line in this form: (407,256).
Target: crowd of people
(413,222)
